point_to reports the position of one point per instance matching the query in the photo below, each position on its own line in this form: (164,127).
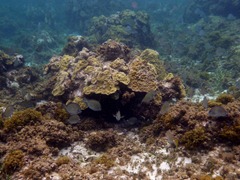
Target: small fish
(27,104)
(118,115)
(115,96)
(73,108)
(27,97)
(238,83)
(165,108)
(132,121)
(148,97)
(205,102)
(93,104)
(171,139)
(8,111)
(217,112)
(74,119)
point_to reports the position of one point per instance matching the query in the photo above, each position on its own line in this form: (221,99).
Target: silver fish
(165,108)
(217,112)
(205,102)
(73,108)
(132,121)
(8,112)
(74,119)
(93,104)
(118,115)
(171,139)
(27,104)
(148,97)
(238,83)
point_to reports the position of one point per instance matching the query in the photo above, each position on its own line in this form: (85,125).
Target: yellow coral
(94,61)
(59,87)
(65,61)
(119,64)
(80,65)
(143,76)
(102,83)
(106,88)
(121,77)
(153,57)
(89,69)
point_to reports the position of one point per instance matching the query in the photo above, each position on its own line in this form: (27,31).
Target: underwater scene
(119,89)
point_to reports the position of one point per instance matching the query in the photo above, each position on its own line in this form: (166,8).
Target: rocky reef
(110,74)
(129,27)
(133,122)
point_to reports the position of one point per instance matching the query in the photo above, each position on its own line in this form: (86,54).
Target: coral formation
(74,45)
(111,71)
(129,27)
(143,76)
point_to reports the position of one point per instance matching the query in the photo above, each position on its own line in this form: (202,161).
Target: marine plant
(62,160)
(21,118)
(101,141)
(231,133)
(194,138)
(225,98)
(12,162)
(60,113)
(104,159)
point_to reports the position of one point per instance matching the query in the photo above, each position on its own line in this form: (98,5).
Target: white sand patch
(80,153)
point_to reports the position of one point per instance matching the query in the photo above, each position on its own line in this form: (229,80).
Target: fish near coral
(148,97)
(217,112)
(8,111)
(73,108)
(93,104)
(165,108)
(171,139)
(118,115)
(74,119)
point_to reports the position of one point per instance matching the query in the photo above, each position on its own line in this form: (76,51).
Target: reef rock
(108,74)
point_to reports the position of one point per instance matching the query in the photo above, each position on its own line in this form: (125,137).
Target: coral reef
(108,75)
(129,27)
(134,122)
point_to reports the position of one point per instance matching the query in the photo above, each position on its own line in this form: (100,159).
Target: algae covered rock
(114,76)
(129,27)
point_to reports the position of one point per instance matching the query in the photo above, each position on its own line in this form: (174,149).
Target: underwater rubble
(110,111)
